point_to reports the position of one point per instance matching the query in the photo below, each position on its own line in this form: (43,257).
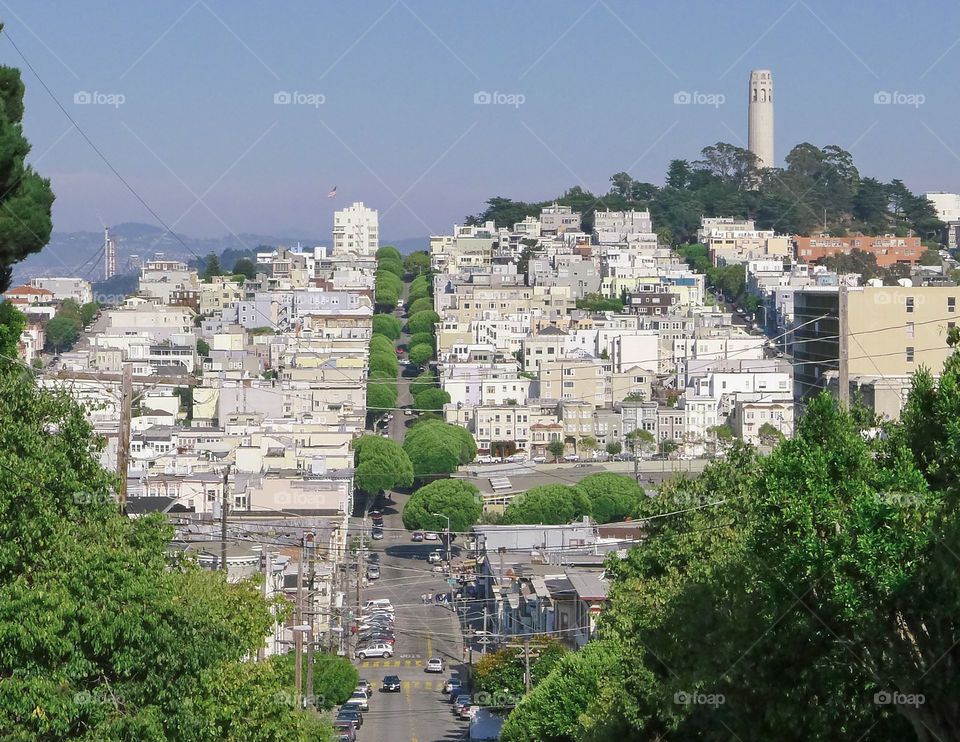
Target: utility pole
(844,379)
(223,520)
(312,614)
(123,439)
(526,664)
(363,542)
(486,636)
(266,563)
(298,633)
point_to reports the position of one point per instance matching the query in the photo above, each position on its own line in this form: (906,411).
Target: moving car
(376,534)
(373,558)
(434,557)
(373,572)
(434,664)
(431,536)
(377,649)
(378,520)
(417,536)
(390,684)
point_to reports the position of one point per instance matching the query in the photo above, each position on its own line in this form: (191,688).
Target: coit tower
(760,131)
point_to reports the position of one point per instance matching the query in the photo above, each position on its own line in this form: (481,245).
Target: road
(420,712)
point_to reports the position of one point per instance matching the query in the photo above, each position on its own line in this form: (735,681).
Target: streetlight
(441,515)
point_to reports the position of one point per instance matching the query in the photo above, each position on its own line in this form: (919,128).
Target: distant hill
(81,253)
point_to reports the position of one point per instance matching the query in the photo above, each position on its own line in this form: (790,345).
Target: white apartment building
(556,219)
(356,229)
(619,227)
(66,288)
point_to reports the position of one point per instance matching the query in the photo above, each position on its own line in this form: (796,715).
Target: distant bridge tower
(760,117)
(109,255)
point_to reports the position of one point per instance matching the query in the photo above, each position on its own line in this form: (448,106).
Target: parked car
(431,536)
(351,715)
(376,534)
(357,701)
(466,712)
(539,459)
(365,687)
(377,649)
(459,702)
(485,459)
(390,684)
(434,664)
(417,537)
(572,457)
(408,412)
(379,603)
(453,685)
(346,729)
(373,572)
(373,558)
(378,520)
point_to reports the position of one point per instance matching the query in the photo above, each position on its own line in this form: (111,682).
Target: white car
(360,700)
(431,536)
(378,649)
(434,664)
(434,557)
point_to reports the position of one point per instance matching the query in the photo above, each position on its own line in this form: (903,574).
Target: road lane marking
(408,663)
(416,684)
(429,646)
(406,686)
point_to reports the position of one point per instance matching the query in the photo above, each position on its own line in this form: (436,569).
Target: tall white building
(946,204)
(760,124)
(356,229)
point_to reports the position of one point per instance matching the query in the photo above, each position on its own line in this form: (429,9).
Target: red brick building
(888,249)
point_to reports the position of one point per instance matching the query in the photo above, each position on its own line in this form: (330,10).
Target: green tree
(587,445)
(667,447)
(12,324)
(245,267)
(382,344)
(211,267)
(380,464)
(421,354)
(548,504)
(71,567)
(88,311)
(203,348)
(389,252)
(502,673)
(61,332)
(334,677)
(26,200)
(417,262)
(427,379)
(555,449)
(386,324)
(417,292)
(422,322)
(612,496)
(421,305)
(386,362)
(381,397)
(769,435)
(436,447)
(614,448)
(432,399)
(422,338)
(930,257)
(456,498)
(394,266)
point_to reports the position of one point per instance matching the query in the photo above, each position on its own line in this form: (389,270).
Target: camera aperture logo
(896,698)
(896,98)
(96,98)
(496,98)
(296,98)
(697,98)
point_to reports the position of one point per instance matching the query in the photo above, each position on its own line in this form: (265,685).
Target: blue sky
(200,137)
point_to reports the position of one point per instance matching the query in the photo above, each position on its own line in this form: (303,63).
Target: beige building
(582,379)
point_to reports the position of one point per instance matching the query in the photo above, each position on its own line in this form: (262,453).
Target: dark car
(417,536)
(376,534)
(351,715)
(373,558)
(391,684)
(346,729)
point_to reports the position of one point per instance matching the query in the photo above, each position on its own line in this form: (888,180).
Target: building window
(909,354)
(951,304)
(910,330)
(909,304)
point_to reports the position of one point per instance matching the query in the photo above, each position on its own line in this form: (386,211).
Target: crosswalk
(392,663)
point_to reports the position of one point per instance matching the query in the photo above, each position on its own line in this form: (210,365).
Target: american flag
(332,193)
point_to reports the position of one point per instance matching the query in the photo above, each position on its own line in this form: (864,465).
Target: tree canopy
(417,262)
(455,498)
(386,324)
(432,399)
(437,447)
(547,504)
(422,322)
(388,252)
(380,464)
(26,200)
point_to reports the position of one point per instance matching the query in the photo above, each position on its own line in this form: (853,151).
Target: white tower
(356,229)
(760,124)
(109,255)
